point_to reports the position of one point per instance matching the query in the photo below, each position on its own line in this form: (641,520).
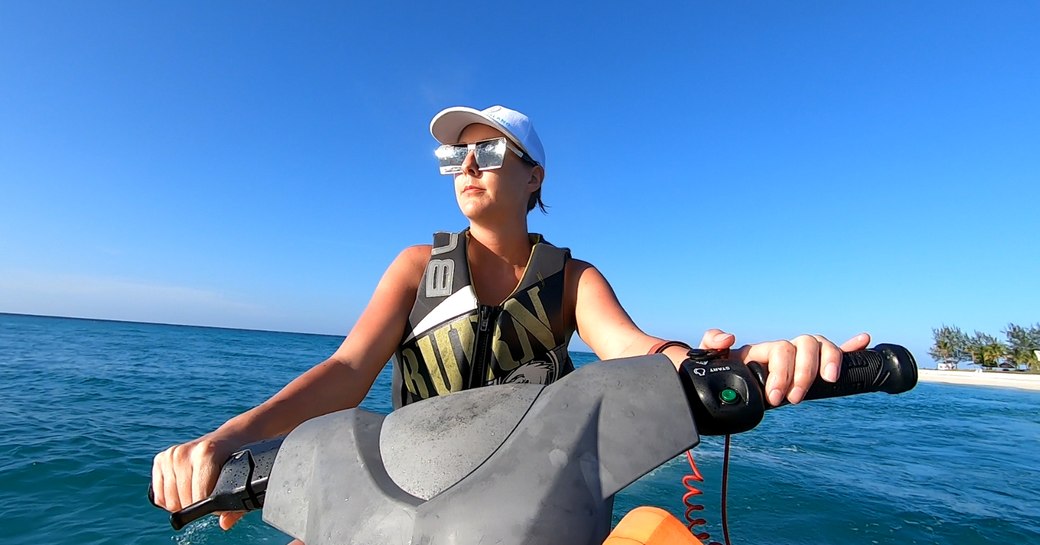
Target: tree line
(953,346)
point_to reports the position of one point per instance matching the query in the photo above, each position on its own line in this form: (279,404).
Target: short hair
(536,200)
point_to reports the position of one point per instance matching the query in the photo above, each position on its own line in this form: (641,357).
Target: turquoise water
(84,405)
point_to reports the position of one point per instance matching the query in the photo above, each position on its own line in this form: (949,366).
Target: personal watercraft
(511,464)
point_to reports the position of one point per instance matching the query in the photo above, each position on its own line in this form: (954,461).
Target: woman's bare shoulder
(577,267)
(417,253)
(412,260)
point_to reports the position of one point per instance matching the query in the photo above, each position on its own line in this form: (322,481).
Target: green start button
(729,396)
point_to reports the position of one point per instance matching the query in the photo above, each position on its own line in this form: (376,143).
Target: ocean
(86,404)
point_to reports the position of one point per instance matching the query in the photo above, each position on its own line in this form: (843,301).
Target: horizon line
(114,320)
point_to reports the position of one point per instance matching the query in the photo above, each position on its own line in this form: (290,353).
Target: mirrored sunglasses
(489,154)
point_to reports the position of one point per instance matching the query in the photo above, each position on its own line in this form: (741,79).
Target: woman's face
(500,192)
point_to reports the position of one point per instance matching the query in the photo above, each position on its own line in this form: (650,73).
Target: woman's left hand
(793,364)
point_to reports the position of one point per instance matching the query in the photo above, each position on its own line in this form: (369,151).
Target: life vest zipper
(482,351)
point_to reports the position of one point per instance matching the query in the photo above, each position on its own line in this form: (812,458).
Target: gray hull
(514,464)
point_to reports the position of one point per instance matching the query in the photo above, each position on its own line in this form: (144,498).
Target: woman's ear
(537,175)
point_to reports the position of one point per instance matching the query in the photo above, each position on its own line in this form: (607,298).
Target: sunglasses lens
(490,153)
(451,158)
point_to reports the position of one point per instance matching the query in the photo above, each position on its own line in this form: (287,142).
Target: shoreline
(972,378)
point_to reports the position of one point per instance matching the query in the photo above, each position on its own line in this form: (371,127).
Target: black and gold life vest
(453,342)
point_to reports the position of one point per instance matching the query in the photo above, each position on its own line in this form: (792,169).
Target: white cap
(448,124)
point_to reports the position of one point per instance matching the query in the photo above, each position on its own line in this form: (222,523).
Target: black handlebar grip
(180,519)
(197,510)
(888,368)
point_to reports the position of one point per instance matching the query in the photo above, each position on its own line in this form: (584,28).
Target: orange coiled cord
(688,500)
(692,491)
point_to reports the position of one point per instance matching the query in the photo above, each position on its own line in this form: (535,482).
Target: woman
(489,305)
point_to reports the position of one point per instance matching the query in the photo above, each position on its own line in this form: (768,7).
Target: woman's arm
(186,473)
(602,322)
(342,381)
(793,365)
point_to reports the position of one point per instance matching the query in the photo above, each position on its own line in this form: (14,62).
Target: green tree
(1021,343)
(985,349)
(951,345)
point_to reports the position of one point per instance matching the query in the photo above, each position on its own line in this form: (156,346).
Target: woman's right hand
(187,473)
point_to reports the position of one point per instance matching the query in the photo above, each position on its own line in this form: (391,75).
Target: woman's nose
(469,164)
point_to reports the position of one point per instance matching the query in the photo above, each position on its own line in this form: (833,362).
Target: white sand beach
(987,378)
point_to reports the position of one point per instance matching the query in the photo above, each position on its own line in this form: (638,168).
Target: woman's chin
(481,211)
(472,209)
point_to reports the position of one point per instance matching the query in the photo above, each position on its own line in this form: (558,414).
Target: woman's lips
(469,188)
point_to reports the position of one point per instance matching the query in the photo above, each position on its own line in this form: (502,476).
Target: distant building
(947,366)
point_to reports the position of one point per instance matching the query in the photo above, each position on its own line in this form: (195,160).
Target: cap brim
(447,125)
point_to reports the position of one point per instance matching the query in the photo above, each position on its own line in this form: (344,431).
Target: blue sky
(769,168)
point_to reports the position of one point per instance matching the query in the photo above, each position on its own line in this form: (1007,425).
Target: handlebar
(241,486)
(728,397)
